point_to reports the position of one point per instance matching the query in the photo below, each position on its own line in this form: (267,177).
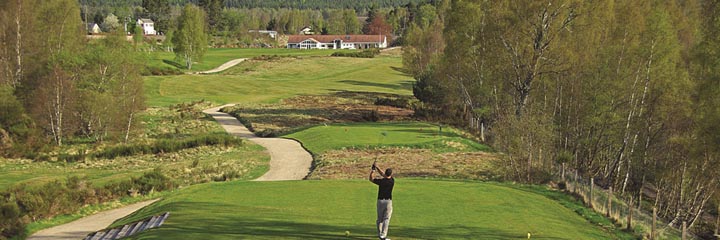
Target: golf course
(445,187)
(343,208)
(299,119)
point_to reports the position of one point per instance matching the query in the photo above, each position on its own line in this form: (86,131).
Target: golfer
(384,202)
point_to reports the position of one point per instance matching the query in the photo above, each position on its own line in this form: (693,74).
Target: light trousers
(384,212)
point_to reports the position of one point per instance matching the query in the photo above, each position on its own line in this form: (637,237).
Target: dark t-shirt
(386,187)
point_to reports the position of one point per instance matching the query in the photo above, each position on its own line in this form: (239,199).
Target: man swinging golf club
(384,202)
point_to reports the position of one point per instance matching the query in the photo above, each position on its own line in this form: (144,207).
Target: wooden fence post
(630,212)
(684,231)
(576,182)
(592,185)
(717,223)
(609,202)
(652,229)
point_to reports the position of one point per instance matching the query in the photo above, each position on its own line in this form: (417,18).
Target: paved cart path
(223,67)
(80,228)
(288,159)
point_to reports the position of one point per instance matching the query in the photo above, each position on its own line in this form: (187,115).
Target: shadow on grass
(231,227)
(404,71)
(174,64)
(427,132)
(402,85)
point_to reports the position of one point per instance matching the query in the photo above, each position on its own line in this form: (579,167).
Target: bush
(11,225)
(160,71)
(152,181)
(169,145)
(367,53)
(21,204)
(393,102)
(371,116)
(65,157)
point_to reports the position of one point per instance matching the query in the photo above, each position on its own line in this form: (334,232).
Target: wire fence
(622,210)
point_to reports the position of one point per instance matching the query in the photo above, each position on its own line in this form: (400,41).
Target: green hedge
(367,53)
(168,145)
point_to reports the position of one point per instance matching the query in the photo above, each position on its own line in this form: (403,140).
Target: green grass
(270,81)
(327,209)
(249,158)
(320,139)
(217,56)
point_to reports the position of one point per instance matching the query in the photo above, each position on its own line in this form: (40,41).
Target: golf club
(383,134)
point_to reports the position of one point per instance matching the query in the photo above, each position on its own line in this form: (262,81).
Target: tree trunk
(130,119)
(18,46)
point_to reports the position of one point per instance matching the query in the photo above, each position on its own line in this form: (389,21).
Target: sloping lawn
(270,81)
(217,56)
(346,209)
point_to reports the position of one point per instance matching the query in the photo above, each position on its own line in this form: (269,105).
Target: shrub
(159,71)
(66,197)
(169,145)
(11,225)
(152,181)
(371,116)
(65,157)
(367,53)
(393,102)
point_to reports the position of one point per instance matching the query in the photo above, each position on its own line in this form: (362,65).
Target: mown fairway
(362,135)
(269,81)
(327,209)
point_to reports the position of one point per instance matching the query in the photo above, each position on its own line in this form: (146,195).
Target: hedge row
(168,145)
(367,53)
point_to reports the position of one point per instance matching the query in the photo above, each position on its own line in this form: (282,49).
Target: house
(93,28)
(306,31)
(336,41)
(147,25)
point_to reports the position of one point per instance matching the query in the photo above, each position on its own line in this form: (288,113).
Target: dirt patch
(406,162)
(276,119)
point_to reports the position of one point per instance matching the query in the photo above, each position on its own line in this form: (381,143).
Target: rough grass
(346,209)
(180,122)
(345,151)
(217,56)
(249,160)
(406,162)
(307,110)
(270,81)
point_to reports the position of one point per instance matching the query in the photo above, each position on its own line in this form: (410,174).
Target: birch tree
(190,39)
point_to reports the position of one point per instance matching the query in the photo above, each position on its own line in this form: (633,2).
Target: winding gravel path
(223,67)
(288,159)
(80,228)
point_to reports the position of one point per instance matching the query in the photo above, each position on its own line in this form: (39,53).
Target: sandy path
(288,159)
(224,66)
(80,228)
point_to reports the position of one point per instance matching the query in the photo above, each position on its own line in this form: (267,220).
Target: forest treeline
(358,5)
(624,92)
(56,85)
(231,26)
